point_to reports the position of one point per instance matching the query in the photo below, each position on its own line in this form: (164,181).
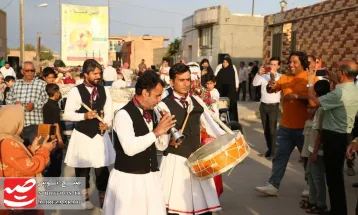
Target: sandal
(307,205)
(316,210)
(303,202)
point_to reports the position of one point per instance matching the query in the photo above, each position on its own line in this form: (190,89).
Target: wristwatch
(309,85)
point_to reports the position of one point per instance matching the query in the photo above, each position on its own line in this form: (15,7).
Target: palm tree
(173,48)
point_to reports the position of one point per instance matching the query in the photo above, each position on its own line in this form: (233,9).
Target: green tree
(29,47)
(46,53)
(173,48)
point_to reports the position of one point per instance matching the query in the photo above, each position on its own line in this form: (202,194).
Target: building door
(190,55)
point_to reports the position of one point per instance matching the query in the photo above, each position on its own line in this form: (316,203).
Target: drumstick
(102,115)
(186,119)
(89,109)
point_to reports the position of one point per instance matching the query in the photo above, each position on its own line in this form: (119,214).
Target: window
(112,45)
(277,45)
(293,41)
(206,35)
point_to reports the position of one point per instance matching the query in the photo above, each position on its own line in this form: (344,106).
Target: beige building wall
(142,48)
(3,32)
(158,55)
(28,55)
(236,34)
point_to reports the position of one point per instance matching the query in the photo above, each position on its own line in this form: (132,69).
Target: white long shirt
(7,72)
(263,80)
(220,66)
(206,120)
(243,74)
(132,145)
(109,74)
(165,77)
(73,104)
(119,84)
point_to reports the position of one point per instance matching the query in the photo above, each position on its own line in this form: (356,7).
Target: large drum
(218,156)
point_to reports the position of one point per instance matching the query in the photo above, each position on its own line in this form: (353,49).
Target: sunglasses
(29,70)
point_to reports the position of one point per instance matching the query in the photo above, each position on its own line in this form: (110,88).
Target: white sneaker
(268,189)
(305,193)
(87,205)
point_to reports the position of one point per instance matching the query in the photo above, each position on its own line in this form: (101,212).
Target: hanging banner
(84,34)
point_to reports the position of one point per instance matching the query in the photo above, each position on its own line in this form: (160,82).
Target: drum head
(212,147)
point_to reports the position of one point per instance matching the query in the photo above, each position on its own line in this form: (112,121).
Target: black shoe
(355,185)
(267,154)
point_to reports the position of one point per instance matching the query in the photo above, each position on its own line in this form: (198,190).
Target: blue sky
(128,16)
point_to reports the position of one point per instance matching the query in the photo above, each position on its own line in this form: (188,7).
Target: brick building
(328,29)
(3,38)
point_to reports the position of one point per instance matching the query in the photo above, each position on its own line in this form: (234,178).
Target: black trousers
(334,150)
(250,87)
(55,167)
(118,56)
(242,86)
(102,175)
(269,117)
(29,134)
(258,93)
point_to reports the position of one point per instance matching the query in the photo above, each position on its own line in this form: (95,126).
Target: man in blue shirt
(118,48)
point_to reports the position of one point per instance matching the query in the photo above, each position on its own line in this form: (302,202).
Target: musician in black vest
(90,145)
(134,185)
(184,192)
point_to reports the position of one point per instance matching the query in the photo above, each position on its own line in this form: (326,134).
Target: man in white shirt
(7,70)
(243,77)
(269,107)
(164,71)
(90,145)
(109,75)
(119,84)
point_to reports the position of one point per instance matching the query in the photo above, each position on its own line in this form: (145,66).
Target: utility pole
(109,18)
(38,51)
(59,23)
(22,31)
(253,7)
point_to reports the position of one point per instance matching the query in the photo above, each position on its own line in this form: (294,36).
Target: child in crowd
(2,89)
(214,93)
(52,115)
(9,81)
(119,83)
(315,166)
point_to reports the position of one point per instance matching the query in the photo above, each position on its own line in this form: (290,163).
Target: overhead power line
(8,4)
(149,8)
(141,26)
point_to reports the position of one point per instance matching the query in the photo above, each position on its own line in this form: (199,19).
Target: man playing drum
(184,192)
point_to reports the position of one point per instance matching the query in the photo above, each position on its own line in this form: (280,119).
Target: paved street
(239,197)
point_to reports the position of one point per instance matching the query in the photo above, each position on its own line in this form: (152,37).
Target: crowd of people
(318,117)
